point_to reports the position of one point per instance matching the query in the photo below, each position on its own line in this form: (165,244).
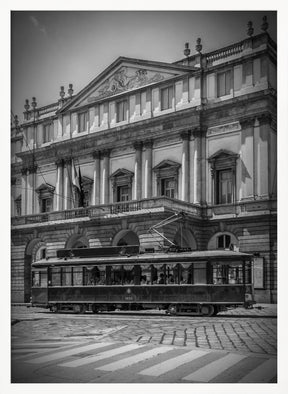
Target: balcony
(147,206)
(119,209)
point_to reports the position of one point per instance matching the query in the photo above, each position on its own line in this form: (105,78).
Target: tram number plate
(128,298)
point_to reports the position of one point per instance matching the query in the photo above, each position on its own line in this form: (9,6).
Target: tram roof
(203,255)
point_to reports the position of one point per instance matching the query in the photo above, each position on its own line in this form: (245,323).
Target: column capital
(59,162)
(24,170)
(137,145)
(96,154)
(197,132)
(185,135)
(32,168)
(148,144)
(105,153)
(264,119)
(247,122)
(67,160)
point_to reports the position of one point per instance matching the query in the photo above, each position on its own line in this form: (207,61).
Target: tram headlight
(248,297)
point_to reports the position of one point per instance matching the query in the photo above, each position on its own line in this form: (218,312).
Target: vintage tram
(107,279)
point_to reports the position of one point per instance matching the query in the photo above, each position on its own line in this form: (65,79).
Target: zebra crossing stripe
(210,371)
(263,373)
(126,362)
(100,356)
(67,353)
(173,363)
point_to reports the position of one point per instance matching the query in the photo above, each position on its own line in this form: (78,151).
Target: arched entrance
(31,254)
(125,237)
(185,239)
(77,241)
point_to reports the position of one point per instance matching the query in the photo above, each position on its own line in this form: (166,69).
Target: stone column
(31,198)
(24,185)
(197,166)
(138,171)
(59,192)
(105,177)
(261,133)
(148,169)
(96,179)
(247,159)
(68,196)
(185,194)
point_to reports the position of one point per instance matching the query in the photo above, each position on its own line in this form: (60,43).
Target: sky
(50,49)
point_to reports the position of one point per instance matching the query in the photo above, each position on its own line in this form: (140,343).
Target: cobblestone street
(255,332)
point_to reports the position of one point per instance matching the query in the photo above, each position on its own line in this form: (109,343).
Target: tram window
(116,275)
(43,279)
(199,273)
(66,276)
(91,276)
(227,274)
(55,276)
(172,274)
(145,274)
(128,275)
(36,279)
(77,276)
(186,274)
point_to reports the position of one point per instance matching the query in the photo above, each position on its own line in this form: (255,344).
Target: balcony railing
(156,204)
(109,210)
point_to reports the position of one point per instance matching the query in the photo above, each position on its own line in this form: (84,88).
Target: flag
(75,177)
(81,191)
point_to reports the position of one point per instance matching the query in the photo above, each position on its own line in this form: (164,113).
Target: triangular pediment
(45,187)
(222,154)
(124,75)
(166,164)
(121,172)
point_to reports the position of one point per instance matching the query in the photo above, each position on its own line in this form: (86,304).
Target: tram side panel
(186,294)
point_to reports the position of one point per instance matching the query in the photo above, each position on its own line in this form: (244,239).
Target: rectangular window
(123,193)
(66,276)
(121,109)
(168,187)
(18,206)
(46,205)
(56,276)
(82,122)
(224,187)
(47,133)
(166,98)
(224,83)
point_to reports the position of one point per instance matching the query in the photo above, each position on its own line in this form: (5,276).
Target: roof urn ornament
(62,92)
(34,103)
(265,24)
(187,50)
(16,121)
(250,30)
(26,106)
(70,90)
(198,46)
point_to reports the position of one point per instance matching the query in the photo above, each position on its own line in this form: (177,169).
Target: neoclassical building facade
(147,140)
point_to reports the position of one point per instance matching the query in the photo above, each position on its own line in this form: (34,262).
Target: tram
(120,278)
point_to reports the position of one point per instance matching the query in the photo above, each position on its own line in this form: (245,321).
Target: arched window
(224,241)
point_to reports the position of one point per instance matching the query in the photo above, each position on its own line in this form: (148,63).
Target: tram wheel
(94,308)
(207,310)
(54,308)
(78,308)
(172,309)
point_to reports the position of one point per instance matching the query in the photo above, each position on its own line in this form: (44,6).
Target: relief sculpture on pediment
(121,81)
